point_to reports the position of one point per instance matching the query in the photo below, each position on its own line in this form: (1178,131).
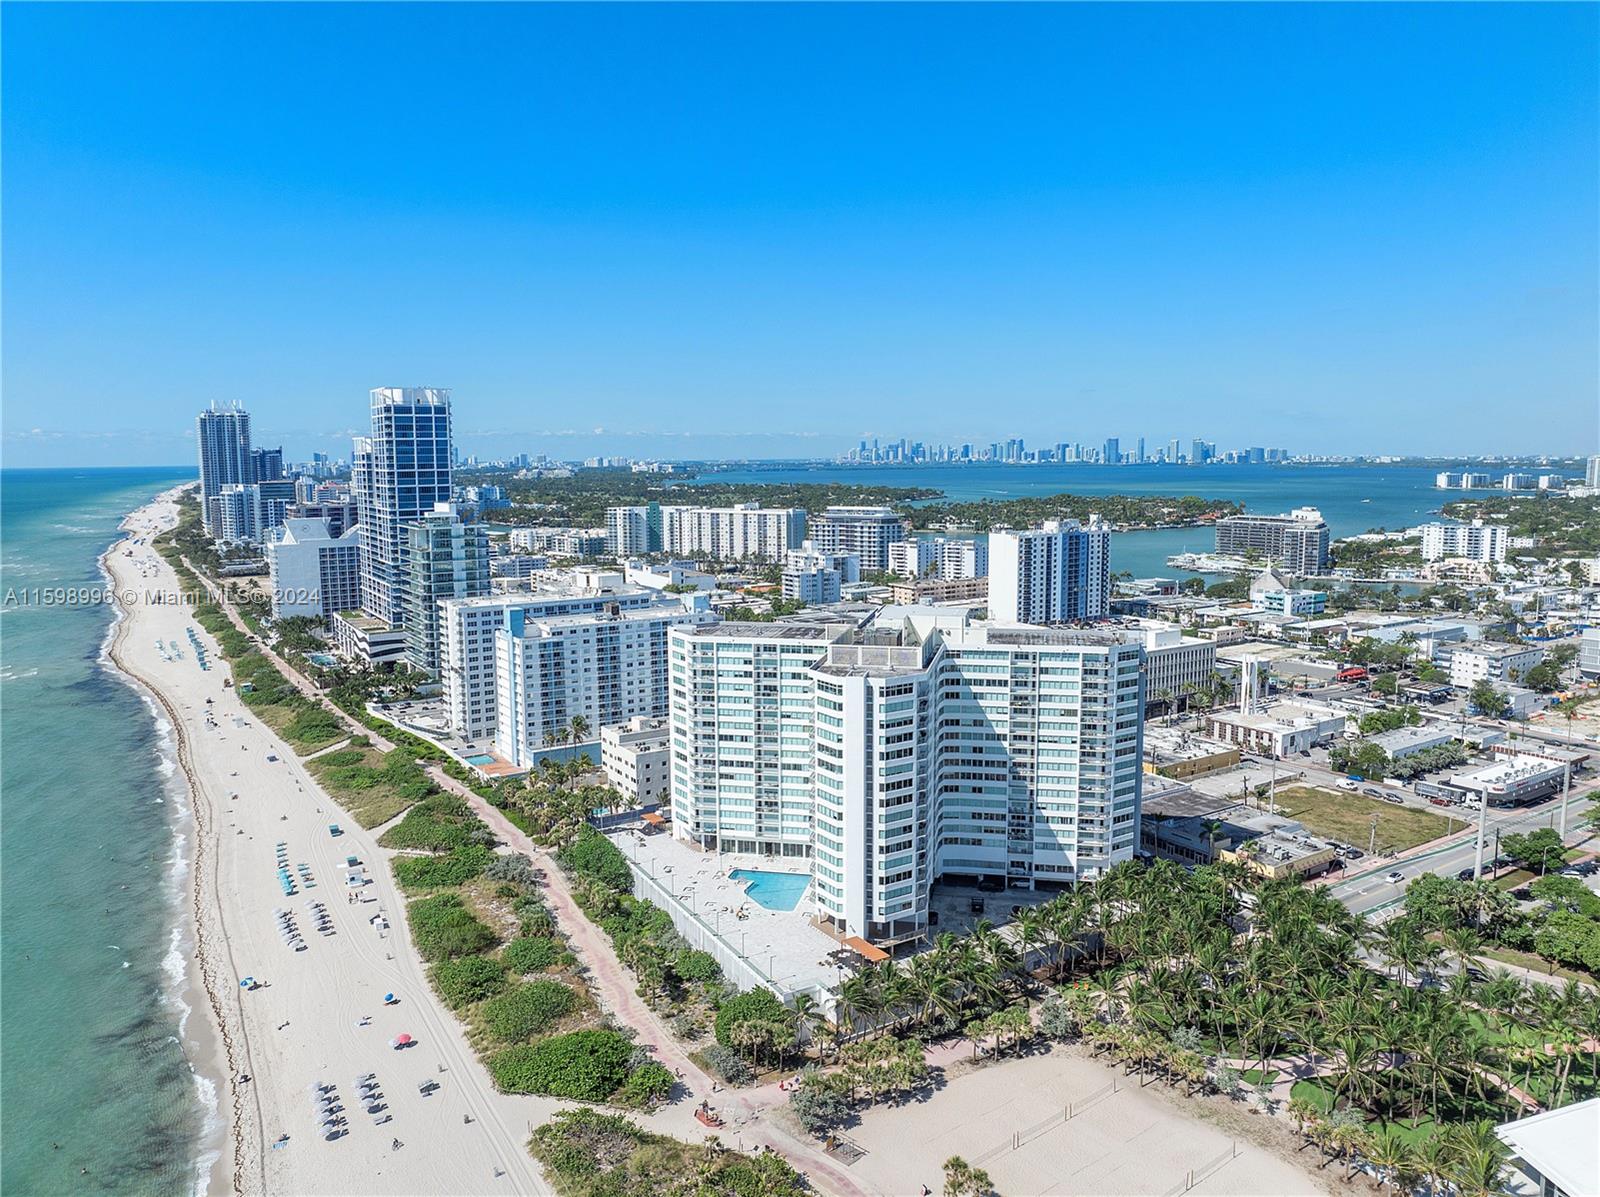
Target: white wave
(211,1130)
(9,674)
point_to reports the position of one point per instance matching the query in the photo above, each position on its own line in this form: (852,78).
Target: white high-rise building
(313,572)
(246,512)
(892,756)
(402,469)
(634,531)
(467,629)
(222,437)
(606,667)
(1476,541)
(1057,573)
(814,577)
(865,531)
(744,531)
(945,556)
(1591,473)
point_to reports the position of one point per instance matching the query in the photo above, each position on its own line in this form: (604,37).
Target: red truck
(1353,673)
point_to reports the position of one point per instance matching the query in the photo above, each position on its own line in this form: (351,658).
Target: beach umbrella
(402,1039)
(247,983)
(388,999)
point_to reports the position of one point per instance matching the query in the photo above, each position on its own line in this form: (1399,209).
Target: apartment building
(890,756)
(604,668)
(1297,541)
(1059,572)
(1491,661)
(744,531)
(948,557)
(444,559)
(1476,541)
(468,627)
(637,758)
(813,577)
(865,531)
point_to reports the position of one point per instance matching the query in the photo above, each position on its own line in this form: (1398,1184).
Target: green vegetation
(443,928)
(468,979)
(1336,815)
(530,954)
(582,499)
(595,857)
(589,1154)
(1122,511)
(372,786)
(524,1011)
(436,824)
(758,1005)
(1560,526)
(1562,930)
(582,1065)
(456,867)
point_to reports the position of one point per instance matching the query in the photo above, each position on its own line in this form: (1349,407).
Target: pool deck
(781,944)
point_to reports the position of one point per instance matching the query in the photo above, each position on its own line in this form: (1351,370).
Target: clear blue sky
(770,230)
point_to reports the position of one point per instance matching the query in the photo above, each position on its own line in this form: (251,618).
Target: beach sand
(305,1024)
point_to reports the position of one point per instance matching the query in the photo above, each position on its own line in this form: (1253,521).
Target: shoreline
(317,1014)
(216,1044)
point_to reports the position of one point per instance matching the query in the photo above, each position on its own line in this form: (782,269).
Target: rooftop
(1561,1144)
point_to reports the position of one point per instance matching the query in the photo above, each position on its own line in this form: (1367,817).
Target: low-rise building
(1195,829)
(1175,665)
(1558,1150)
(1513,781)
(926,591)
(637,758)
(367,639)
(1277,730)
(673,575)
(1179,754)
(1491,661)
(1404,741)
(1589,653)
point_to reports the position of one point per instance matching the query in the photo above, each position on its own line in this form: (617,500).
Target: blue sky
(769,230)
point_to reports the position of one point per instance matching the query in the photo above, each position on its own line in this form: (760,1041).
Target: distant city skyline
(770,231)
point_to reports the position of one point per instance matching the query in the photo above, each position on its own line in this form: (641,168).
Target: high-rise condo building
(1591,473)
(1297,542)
(1112,454)
(444,559)
(892,756)
(632,531)
(1476,541)
(744,531)
(222,437)
(266,465)
(814,577)
(402,470)
(865,531)
(248,512)
(467,640)
(1059,572)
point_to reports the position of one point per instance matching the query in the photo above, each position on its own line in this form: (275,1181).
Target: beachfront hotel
(1059,572)
(918,745)
(398,474)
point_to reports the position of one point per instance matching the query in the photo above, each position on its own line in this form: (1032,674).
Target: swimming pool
(483,758)
(325,660)
(775,891)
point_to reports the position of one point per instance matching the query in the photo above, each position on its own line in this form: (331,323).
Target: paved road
(1370,892)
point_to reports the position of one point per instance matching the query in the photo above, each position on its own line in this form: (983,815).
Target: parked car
(1354,854)
(1394,798)
(1374,792)
(1466,874)
(1349,785)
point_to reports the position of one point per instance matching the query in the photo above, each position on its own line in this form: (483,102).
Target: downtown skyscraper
(399,473)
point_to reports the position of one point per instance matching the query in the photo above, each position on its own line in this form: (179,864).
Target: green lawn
(1254,1076)
(1334,814)
(1533,963)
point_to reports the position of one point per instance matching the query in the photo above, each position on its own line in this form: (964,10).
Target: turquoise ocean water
(1352,498)
(93,940)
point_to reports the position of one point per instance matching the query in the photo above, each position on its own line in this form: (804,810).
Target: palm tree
(1478,1156)
(807,1016)
(577,728)
(1393,1159)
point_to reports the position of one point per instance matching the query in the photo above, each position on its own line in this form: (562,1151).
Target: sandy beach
(319,1015)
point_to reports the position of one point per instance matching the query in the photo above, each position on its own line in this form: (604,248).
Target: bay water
(97,1094)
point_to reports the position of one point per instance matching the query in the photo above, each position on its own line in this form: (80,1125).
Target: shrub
(727,1064)
(695,965)
(646,1085)
(757,1005)
(530,955)
(516,868)
(525,1010)
(467,980)
(444,928)
(583,1065)
(593,855)
(816,1104)
(437,824)
(454,868)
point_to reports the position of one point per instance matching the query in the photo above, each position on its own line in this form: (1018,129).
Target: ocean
(95,940)
(1352,498)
